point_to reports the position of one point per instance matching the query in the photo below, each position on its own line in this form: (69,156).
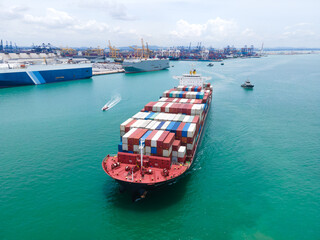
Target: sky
(167,23)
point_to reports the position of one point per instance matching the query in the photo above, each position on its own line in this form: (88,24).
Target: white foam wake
(114,101)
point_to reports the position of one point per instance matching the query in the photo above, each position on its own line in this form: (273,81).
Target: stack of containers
(175,147)
(131,140)
(189,88)
(169,127)
(159,143)
(183,94)
(181,100)
(189,109)
(182,155)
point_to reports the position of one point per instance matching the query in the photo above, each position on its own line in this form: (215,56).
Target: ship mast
(141,147)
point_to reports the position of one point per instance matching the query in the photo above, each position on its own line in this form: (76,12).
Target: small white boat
(114,101)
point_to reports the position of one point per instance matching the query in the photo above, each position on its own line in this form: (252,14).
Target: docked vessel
(145,65)
(41,74)
(159,143)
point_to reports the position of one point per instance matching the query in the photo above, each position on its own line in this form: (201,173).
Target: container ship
(145,65)
(41,74)
(159,143)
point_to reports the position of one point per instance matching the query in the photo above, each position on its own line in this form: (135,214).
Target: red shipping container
(127,127)
(188,110)
(130,139)
(163,108)
(196,120)
(138,135)
(175,145)
(159,152)
(148,139)
(164,162)
(130,148)
(190,152)
(190,140)
(126,157)
(183,140)
(182,160)
(148,107)
(179,129)
(162,138)
(168,141)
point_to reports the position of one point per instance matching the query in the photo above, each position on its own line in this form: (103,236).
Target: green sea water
(256,175)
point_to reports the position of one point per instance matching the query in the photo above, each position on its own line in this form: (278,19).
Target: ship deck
(156,176)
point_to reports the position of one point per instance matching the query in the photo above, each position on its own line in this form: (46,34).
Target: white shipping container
(165,125)
(171,116)
(155,125)
(191,130)
(124,146)
(182,151)
(163,99)
(136,116)
(122,133)
(181,117)
(144,115)
(155,138)
(136,148)
(159,106)
(154,107)
(190,119)
(167,109)
(190,145)
(158,116)
(150,125)
(123,125)
(148,149)
(127,135)
(184,100)
(186,118)
(177,116)
(135,124)
(166,153)
(145,123)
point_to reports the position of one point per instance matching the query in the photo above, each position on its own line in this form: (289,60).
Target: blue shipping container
(185,130)
(153,150)
(159,126)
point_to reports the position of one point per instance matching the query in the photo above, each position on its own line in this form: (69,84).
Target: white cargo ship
(145,65)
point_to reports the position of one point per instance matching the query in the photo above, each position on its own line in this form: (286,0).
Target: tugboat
(210,65)
(247,84)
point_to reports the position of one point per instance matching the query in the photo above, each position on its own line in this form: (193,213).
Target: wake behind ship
(41,74)
(145,65)
(159,143)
